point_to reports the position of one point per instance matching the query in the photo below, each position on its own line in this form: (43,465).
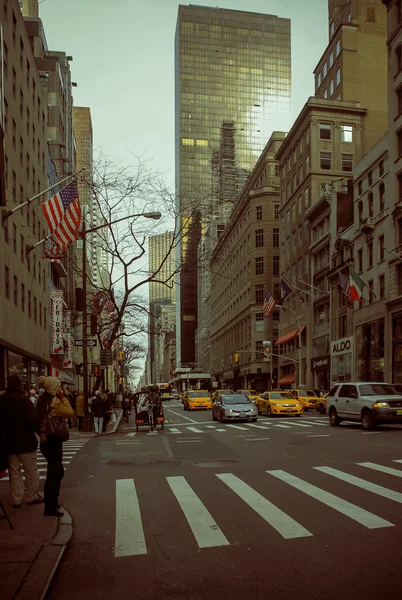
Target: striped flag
(63,216)
(345,284)
(269,304)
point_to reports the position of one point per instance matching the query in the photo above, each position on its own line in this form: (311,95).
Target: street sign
(90,343)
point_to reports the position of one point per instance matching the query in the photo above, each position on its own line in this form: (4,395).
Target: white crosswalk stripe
(195,429)
(258,426)
(237,427)
(381,468)
(363,484)
(129,539)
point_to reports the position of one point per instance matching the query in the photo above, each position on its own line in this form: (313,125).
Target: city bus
(165,390)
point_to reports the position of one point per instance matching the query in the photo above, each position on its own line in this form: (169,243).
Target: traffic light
(95,369)
(79,369)
(236,357)
(121,355)
(79,299)
(94,324)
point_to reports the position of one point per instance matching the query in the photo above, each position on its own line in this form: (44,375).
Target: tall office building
(231,66)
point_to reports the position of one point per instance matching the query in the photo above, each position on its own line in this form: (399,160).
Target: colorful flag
(286,289)
(103,300)
(346,289)
(269,304)
(63,216)
(356,286)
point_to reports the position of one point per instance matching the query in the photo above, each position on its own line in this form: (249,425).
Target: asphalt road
(290,509)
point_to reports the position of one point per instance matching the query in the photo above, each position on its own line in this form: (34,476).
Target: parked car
(371,403)
(197,399)
(233,407)
(307,397)
(279,403)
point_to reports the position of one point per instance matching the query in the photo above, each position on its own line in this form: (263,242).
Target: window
(370,178)
(259,213)
(371,14)
(399,279)
(325,161)
(14,238)
(276,211)
(349,17)
(259,238)
(381,286)
(35,310)
(399,231)
(399,136)
(325,93)
(325,131)
(398,53)
(348,391)
(382,196)
(22,297)
(275,238)
(338,77)
(331,87)
(29,304)
(258,348)
(399,98)
(331,59)
(347,162)
(360,211)
(360,260)
(259,322)
(44,318)
(275,314)
(318,80)
(381,247)
(276,294)
(275,265)
(400,186)
(40,314)
(259,294)
(307,164)
(370,256)
(338,48)
(370,204)
(259,265)
(7,282)
(325,70)
(22,248)
(342,326)
(306,198)
(371,293)
(15,290)
(399,10)
(332,28)
(381,168)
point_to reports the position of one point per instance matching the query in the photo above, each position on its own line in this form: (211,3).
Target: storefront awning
(289,336)
(289,378)
(64,377)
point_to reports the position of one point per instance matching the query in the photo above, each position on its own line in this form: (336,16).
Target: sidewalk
(31,552)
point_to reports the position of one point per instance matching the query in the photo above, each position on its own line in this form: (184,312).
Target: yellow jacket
(59,407)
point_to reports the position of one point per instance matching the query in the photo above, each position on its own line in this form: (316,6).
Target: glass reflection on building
(370,351)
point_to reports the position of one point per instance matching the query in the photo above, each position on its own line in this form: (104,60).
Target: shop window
(382,196)
(381,286)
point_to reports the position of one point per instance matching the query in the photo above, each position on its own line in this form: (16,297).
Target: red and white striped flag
(63,215)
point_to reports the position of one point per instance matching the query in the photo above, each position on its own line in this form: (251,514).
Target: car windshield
(377,389)
(309,393)
(198,394)
(279,396)
(235,399)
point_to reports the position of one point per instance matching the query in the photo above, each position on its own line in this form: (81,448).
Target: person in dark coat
(98,411)
(19,422)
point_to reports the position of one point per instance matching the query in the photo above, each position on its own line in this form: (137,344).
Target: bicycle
(151,415)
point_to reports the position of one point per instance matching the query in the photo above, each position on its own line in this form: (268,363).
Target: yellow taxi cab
(279,403)
(251,394)
(308,398)
(218,393)
(197,399)
(322,405)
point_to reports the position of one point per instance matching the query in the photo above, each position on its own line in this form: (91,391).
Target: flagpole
(9,213)
(311,286)
(29,248)
(300,346)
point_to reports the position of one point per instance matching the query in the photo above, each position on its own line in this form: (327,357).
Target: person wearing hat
(32,396)
(54,403)
(19,422)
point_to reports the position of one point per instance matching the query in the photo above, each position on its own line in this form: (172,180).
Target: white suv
(369,402)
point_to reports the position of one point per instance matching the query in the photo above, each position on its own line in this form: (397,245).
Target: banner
(57,305)
(68,340)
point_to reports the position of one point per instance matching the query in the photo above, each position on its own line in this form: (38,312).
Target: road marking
(128,443)
(398,460)
(283,426)
(174,430)
(237,427)
(319,435)
(129,537)
(352,511)
(316,423)
(370,432)
(204,528)
(195,429)
(188,441)
(300,433)
(211,426)
(300,425)
(131,434)
(258,426)
(363,484)
(182,416)
(382,469)
(256,439)
(285,525)
(220,430)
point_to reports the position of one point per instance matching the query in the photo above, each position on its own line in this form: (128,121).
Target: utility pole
(86,421)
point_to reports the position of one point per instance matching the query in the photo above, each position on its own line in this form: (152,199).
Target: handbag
(56,429)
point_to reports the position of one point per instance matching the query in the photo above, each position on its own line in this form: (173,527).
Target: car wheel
(333,418)
(268,411)
(367,420)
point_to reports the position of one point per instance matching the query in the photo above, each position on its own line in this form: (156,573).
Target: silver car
(233,407)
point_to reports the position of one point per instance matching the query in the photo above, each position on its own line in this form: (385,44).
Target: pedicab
(144,413)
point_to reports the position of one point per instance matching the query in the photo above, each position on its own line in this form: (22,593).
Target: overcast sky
(123,64)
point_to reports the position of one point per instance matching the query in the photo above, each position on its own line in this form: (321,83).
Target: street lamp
(86,421)
(299,331)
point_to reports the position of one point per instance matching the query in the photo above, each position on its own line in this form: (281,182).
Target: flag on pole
(286,289)
(346,289)
(356,286)
(269,304)
(64,216)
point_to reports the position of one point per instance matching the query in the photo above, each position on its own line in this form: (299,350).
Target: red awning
(289,336)
(289,378)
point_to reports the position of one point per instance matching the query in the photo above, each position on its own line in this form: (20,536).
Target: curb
(40,576)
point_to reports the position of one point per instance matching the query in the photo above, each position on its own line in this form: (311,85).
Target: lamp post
(299,352)
(86,421)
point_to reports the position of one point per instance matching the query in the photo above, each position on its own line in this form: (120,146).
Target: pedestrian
(108,413)
(52,403)
(98,411)
(79,408)
(33,396)
(19,422)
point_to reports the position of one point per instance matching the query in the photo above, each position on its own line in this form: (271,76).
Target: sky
(123,64)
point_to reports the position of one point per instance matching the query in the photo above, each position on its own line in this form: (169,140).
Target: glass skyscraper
(231,66)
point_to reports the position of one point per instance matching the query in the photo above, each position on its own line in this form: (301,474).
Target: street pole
(86,421)
(299,369)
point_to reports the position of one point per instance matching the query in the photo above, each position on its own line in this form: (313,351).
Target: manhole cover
(216,463)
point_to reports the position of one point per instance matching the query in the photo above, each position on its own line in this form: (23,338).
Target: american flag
(345,284)
(63,216)
(269,304)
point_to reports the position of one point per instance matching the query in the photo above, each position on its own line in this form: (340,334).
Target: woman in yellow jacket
(79,408)
(52,402)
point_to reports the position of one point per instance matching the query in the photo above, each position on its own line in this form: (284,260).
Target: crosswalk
(208,532)
(262,425)
(70,449)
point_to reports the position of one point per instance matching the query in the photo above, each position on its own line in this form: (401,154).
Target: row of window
(370,254)
(259,265)
(33,265)
(346,161)
(370,203)
(258,210)
(29,304)
(321,77)
(326,132)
